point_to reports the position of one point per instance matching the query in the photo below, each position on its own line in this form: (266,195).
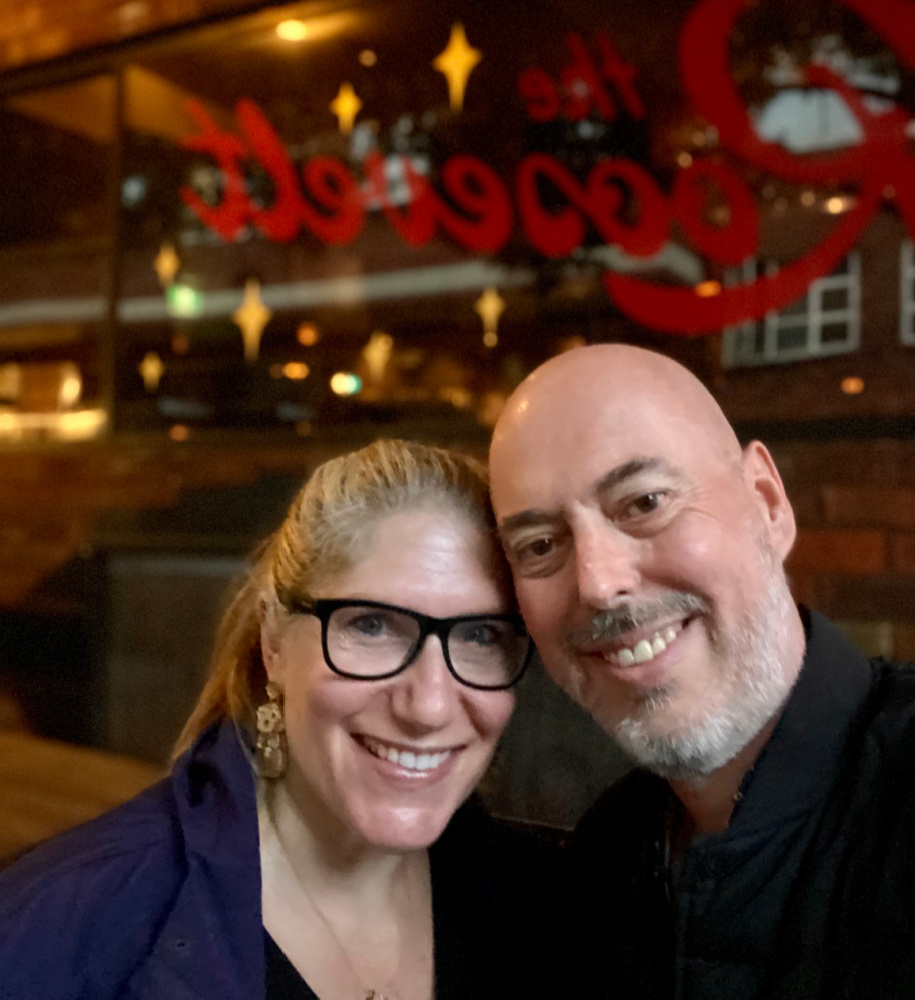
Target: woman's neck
(323,853)
(350,918)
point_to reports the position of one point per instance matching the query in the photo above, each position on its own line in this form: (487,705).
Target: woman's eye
(369,624)
(483,633)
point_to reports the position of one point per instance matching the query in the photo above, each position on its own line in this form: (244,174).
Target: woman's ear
(271,650)
(270,654)
(768,494)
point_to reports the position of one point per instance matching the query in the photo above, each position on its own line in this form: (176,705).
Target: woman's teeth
(405,758)
(645,650)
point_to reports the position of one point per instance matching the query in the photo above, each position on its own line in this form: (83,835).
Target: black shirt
(493,897)
(283,979)
(720,934)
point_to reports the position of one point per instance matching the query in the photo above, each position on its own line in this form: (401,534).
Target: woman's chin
(402,828)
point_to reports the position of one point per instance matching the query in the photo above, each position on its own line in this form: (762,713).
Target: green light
(182,300)
(345,384)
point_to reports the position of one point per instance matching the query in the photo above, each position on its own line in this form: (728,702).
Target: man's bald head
(573,387)
(646,549)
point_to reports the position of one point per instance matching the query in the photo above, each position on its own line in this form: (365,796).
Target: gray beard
(754,690)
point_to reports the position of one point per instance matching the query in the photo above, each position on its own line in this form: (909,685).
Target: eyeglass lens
(368,642)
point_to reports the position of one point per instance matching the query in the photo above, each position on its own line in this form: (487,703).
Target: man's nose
(425,695)
(606,561)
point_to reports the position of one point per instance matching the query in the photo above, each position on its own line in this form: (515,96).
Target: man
(763,848)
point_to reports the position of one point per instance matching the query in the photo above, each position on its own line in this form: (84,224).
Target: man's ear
(768,493)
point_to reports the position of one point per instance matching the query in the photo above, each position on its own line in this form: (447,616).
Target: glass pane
(834,333)
(791,338)
(835,298)
(55,256)
(371,213)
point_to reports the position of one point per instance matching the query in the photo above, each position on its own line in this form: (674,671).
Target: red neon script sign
(881,161)
(476,208)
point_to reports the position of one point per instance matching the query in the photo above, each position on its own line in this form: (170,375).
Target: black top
(783,903)
(283,979)
(493,893)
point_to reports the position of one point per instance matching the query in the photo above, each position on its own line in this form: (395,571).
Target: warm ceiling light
(296,370)
(853,386)
(367,57)
(307,334)
(835,205)
(292,31)
(178,432)
(71,387)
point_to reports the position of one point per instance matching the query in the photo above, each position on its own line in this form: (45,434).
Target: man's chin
(696,753)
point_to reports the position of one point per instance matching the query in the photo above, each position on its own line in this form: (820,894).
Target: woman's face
(342,732)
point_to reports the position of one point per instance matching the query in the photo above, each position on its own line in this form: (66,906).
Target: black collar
(798,765)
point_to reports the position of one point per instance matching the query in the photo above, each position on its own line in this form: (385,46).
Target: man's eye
(535,549)
(647,503)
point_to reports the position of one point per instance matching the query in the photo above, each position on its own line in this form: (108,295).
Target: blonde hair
(328,526)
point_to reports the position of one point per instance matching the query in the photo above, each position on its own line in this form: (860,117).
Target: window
(56,246)
(827,320)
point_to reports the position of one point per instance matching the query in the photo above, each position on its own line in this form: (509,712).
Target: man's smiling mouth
(645,649)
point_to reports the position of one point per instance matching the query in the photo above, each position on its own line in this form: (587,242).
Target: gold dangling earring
(270,748)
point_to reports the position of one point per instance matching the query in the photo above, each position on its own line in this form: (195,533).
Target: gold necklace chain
(369,993)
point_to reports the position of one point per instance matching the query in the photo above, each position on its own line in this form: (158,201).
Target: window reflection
(55,257)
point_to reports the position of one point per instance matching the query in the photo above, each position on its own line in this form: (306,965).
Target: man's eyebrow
(613,478)
(525,518)
(634,467)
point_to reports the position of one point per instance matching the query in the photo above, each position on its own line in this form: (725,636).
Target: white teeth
(642,651)
(645,649)
(406,758)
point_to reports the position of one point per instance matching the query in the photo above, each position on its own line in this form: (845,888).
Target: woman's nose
(425,695)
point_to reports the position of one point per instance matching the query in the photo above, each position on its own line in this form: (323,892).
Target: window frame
(814,317)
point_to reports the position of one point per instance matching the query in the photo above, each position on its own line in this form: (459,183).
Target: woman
(368,660)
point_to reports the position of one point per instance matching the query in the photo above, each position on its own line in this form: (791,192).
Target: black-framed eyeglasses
(371,641)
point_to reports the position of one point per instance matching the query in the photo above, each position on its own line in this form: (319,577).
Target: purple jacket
(160,899)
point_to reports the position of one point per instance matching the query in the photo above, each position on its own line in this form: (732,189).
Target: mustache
(611,623)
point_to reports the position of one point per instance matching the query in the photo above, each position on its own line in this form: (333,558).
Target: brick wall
(52,499)
(855,554)
(855,503)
